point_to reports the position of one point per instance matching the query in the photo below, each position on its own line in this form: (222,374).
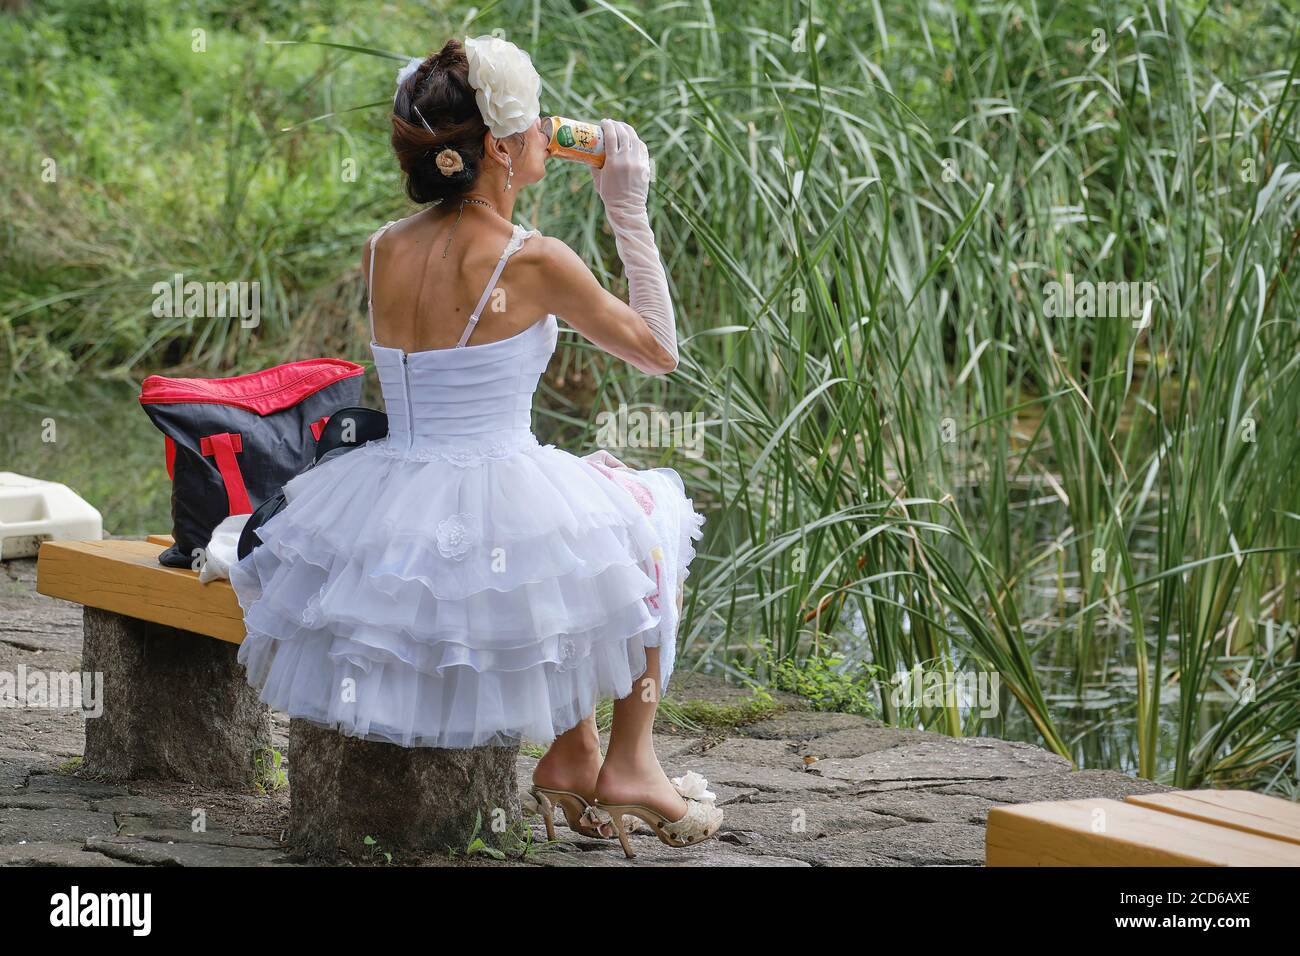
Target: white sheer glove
(623,186)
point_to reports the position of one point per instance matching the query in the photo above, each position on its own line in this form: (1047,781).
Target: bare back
(422,301)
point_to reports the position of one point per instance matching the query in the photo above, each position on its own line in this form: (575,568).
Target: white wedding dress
(457,583)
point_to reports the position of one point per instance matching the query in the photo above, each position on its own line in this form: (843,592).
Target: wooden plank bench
(1179,828)
(176,705)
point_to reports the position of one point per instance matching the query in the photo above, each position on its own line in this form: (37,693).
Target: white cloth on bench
(223,550)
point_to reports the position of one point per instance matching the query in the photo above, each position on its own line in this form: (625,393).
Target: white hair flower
(506,86)
(405,72)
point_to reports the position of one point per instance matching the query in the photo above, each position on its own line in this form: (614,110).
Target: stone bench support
(176,705)
(406,799)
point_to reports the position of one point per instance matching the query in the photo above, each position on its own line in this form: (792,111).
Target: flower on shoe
(506,86)
(693,786)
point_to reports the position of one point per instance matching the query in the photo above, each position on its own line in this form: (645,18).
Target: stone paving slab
(44,853)
(35,800)
(920,844)
(770,754)
(151,852)
(728,773)
(936,757)
(803,725)
(1066,785)
(713,853)
(799,788)
(927,806)
(77,787)
(17,766)
(59,826)
(800,821)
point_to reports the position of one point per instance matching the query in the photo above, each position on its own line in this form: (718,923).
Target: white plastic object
(32,511)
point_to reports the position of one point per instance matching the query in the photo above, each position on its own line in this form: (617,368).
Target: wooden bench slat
(1239,809)
(124,577)
(1060,833)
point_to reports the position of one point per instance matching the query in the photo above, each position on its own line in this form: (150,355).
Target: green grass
(269,774)
(826,684)
(909,461)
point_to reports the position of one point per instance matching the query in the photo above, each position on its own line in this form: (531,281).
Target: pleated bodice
(478,397)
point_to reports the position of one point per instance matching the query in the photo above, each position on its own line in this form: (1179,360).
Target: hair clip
(421,115)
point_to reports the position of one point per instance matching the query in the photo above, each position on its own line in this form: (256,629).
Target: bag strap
(224,446)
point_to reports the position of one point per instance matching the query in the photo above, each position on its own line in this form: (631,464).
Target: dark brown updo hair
(439,89)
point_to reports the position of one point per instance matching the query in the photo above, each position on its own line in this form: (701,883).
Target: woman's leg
(572,762)
(631,771)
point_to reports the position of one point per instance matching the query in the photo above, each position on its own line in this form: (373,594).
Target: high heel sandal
(580,815)
(700,822)
(590,817)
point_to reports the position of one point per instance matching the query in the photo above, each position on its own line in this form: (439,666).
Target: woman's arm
(568,289)
(643,333)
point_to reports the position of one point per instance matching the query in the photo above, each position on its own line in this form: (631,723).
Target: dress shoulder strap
(370,279)
(514,245)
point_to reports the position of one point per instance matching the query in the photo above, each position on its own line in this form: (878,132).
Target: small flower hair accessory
(449,162)
(405,74)
(506,86)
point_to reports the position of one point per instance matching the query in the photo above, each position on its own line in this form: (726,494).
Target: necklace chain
(460,212)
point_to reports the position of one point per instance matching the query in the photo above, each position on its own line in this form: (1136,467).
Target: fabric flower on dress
(568,654)
(456,535)
(506,86)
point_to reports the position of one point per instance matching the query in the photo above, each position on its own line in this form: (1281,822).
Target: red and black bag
(232,443)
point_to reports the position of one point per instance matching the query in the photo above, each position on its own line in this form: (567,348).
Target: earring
(510,171)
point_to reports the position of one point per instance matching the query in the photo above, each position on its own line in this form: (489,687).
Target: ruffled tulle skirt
(426,602)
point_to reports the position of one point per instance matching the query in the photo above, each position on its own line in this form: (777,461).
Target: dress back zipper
(410,408)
